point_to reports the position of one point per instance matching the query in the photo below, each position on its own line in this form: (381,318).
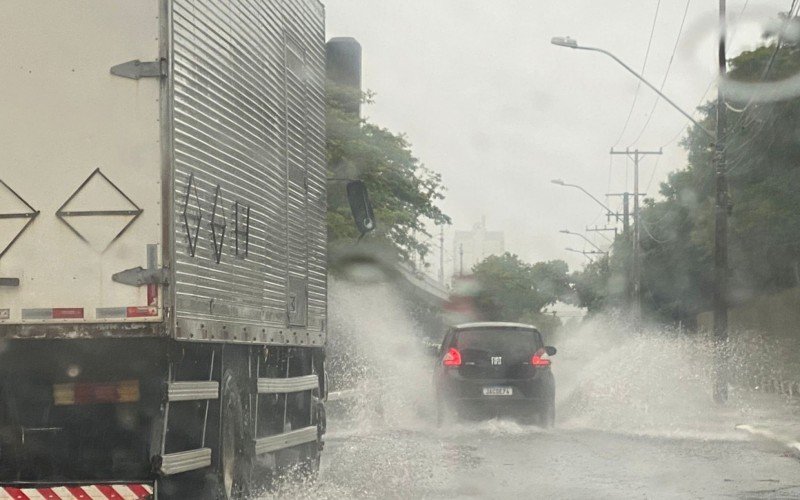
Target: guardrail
(789,388)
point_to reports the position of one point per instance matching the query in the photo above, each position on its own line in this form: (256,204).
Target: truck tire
(309,464)
(235,457)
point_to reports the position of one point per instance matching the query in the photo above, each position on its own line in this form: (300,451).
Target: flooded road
(635,418)
(502,460)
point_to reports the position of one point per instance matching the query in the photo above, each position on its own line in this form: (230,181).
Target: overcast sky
(488,102)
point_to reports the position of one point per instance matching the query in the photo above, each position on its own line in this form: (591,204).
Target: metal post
(625,213)
(636,268)
(721,227)
(637,273)
(461,259)
(626,235)
(626,226)
(441,255)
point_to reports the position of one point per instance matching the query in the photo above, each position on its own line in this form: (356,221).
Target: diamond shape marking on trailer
(218,238)
(16,215)
(98,212)
(192,210)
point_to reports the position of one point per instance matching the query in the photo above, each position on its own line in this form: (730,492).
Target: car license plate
(498,391)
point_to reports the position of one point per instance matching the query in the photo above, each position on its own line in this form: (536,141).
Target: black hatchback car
(488,369)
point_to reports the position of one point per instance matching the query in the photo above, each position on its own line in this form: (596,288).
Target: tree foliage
(763,159)
(403,191)
(511,290)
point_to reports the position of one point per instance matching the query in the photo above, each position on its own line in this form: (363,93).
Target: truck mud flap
(127,491)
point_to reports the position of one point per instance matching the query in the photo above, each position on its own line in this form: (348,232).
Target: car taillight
(81,393)
(538,360)
(452,358)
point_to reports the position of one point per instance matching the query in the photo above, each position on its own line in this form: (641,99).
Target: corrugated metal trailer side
(208,155)
(248,135)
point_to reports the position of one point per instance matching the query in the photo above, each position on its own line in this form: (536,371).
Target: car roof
(494,324)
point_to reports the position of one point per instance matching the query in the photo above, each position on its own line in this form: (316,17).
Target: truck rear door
(81,164)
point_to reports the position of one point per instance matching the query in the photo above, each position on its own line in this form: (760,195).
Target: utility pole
(636,267)
(626,212)
(601,230)
(721,225)
(626,235)
(597,229)
(441,255)
(625,208)
(587,254)
(461,259)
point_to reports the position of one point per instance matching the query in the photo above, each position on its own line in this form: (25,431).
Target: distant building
(471,247)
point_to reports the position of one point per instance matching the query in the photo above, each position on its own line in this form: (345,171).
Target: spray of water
(657,382)
(381,434)
(377,358)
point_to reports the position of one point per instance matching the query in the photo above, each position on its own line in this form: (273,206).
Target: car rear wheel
(446,412)
(439,413)
(547,416)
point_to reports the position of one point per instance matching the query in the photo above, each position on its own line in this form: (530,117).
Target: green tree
(591,286)
(510,289)
(403,191)
(763,158)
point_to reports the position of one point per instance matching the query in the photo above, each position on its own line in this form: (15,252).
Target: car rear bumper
(540,387)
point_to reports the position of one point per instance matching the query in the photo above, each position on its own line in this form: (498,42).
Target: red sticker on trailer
(141,312)
(152,295)
(68,313)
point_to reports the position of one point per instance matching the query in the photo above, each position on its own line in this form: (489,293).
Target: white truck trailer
(162,246)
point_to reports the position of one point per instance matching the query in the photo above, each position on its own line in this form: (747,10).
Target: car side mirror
(550,350)
(360,206)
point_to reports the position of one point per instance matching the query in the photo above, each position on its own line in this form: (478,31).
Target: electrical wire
(644,226)
(739,149)
(710,83)
(639,84)
(688,125)
(666,73)
(765,73)
(652,174)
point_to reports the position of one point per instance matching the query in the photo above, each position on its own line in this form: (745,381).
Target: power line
(666,73)
(661,242)
(711,82)
(685,127)
(768,67)
(652,175)
(639,84)
(739,149)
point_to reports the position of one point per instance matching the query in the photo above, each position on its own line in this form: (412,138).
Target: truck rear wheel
(235,457)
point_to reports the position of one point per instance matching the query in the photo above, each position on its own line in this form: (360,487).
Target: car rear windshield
(492,339)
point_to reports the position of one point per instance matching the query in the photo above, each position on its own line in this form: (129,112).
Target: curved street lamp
(565,41)
(560,182)
(567,231)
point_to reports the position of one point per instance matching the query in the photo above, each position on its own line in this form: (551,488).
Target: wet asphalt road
(635,419)
(499,459)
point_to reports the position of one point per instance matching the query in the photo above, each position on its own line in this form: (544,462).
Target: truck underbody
(163,263)
(158,411)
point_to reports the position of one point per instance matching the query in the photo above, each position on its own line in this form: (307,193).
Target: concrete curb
(767,434)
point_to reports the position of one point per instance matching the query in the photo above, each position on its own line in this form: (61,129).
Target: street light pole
(559,182)
(567,231)
(721,206)
(573,44)
(585,253)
